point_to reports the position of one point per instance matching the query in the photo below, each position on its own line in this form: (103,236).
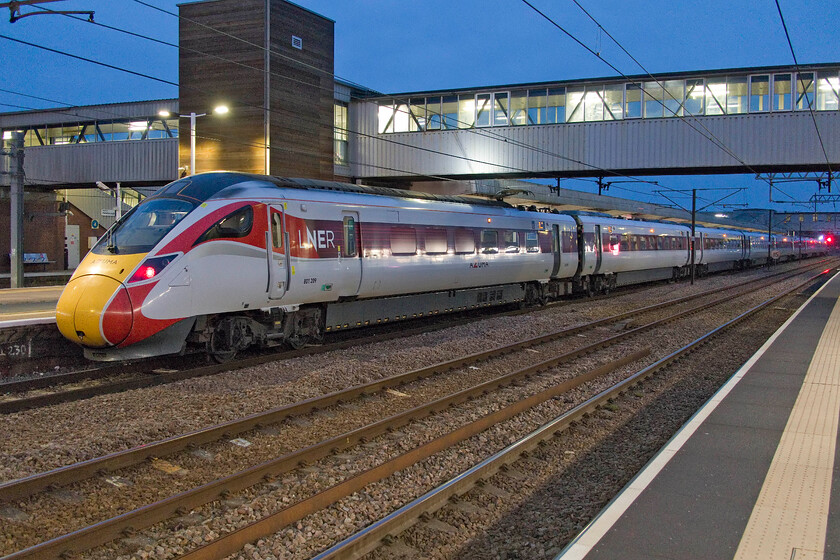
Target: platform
(755,474)
(28,306)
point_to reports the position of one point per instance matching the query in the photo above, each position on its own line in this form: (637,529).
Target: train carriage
(631,252)
(719,249)
(225,261)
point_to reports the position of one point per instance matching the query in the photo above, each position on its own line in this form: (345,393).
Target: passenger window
(235,225)
(625,242)
(532,242)
(436,242)
(511,239)
(349,236)
(464,241)
(403,241)
(489,241)
(276,229)
(570,244)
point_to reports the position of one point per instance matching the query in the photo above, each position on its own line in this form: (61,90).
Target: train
(224,261)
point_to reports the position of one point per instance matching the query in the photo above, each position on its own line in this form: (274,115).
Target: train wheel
(228,337)
(298,342)
(219,349)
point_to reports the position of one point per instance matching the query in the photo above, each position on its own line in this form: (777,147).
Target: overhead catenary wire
(349,131)
(490,134)
(668,92)
(711,137)
(335,76)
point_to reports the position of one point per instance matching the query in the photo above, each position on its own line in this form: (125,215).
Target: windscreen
(143,228)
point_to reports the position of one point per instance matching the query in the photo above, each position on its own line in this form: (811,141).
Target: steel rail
(108,530)
(151,378)
(234,541)
(372,536)
(62,476)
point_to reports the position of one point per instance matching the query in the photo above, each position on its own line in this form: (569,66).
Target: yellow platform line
(792,507)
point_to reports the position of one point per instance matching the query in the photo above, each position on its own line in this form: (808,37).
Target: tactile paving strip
(791,513)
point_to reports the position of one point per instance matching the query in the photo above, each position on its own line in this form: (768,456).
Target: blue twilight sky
(396,46)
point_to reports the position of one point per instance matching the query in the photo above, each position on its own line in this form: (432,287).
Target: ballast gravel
(44,439)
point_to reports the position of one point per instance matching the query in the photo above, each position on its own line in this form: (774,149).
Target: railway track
(116,527)
(384,530)
(84,384)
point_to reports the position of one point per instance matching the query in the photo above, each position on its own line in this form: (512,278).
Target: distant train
(230,260)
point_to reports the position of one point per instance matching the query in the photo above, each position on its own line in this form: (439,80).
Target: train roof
(204,186)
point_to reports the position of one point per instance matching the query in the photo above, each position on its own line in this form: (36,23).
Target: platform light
(218,110)
(164,113)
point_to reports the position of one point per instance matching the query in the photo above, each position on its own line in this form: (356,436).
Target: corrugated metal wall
(780,141)
(134,161)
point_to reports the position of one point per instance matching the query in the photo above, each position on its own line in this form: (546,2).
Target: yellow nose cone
(81,311)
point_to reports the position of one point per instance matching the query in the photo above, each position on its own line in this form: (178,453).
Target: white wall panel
(128,161)
(642,146)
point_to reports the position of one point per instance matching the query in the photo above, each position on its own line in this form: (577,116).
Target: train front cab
(99,308)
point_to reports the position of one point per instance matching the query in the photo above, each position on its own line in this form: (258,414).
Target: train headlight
(151,268)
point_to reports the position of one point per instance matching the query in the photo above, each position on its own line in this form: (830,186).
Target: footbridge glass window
(417,110)
(828,91)
(674,96)
(433,117)
(593,101)
(466,111)
(633,101)
(449,110)
(576,98)
(100,131)
(501,109)
(555,106)
(537,106)
(694,97)
(653,100)
(759,94)
(804,91)
(482,109)
(736,95)
(715,96)
(519,108)
(613,102)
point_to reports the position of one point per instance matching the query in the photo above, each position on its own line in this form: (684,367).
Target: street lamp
(220,110)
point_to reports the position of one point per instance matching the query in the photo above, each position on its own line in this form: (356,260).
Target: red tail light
(151,268)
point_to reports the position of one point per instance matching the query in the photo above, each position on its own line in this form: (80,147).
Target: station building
(271,63)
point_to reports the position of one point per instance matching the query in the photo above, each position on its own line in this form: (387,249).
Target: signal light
(151,268)
(829,240)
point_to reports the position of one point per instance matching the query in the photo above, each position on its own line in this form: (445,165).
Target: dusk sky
(394,47)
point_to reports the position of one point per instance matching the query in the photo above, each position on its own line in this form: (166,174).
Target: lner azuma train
(230,260)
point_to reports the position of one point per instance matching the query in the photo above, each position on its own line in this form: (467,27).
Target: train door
(277,239)
(349,259)
(598,249)
(699,242)
(556,248)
